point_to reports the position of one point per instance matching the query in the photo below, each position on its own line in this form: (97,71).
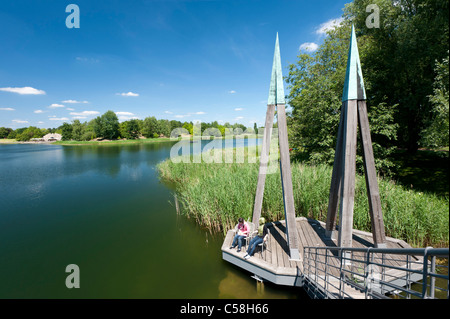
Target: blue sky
(178,60)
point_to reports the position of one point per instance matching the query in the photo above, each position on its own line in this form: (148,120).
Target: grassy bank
(7,141)
(216,195)
(115,142)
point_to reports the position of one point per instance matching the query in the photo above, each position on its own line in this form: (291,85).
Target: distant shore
(122,141)
(93,142)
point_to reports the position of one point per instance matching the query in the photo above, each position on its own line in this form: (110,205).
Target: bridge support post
(342,189)
(277,100)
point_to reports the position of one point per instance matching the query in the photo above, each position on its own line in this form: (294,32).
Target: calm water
(105,210)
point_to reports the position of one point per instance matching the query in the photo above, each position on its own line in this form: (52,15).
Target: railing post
(341,274)
(367,273)
(315,266)
(425,273)
(432,278)
(408,277)
(383,274)
(325,277)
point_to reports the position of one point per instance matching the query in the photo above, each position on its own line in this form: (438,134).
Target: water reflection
(105,209)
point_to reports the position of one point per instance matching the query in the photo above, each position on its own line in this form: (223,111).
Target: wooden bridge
(273,264)
(330,260)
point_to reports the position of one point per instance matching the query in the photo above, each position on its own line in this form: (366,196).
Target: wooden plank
(277,254)
(373,192)
(267,254)
(284,245)
(301,237)
(286,183)
(312,241)
(263,164)
(331,260)
(349,171)
(273,245)
(336,178)
(279,250)
(284,249)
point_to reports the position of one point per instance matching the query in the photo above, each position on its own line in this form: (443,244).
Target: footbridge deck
(322,269)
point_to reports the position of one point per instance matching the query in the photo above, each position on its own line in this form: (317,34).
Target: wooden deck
(274,264)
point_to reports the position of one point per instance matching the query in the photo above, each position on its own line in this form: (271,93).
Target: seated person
(241,234)
(262,232)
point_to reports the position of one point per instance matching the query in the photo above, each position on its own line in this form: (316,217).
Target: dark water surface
(104,209)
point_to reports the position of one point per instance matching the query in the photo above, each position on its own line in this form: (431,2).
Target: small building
(51,137)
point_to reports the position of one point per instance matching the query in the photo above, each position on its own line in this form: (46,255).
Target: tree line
(107,126)
(405,70)
(25,133)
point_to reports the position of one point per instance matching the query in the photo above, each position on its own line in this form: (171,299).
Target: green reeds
(217,194)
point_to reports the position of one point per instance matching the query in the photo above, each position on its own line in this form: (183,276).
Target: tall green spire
(276,91)
(354,83)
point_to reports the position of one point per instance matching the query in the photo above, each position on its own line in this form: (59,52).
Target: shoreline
(121,142)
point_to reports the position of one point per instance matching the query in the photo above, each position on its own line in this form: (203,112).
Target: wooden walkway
(274,264)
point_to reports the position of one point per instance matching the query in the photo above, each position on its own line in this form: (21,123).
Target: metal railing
(376,273)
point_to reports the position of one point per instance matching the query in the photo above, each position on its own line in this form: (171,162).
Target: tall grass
(216,195)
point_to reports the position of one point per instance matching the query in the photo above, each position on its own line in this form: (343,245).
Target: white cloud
(84,113)
(58,119)
(309,46)
(55,105)
(238,109)
(74,102)
(38,111)
(126,118)
(329,25)
(189,114)
(124,113)
(128,94)
(70,109)
(6,109)
(20,121)
(168,112)
(79,117)
(232,92)
(238,118)
(23,91)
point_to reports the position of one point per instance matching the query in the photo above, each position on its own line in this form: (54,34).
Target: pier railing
(376,273)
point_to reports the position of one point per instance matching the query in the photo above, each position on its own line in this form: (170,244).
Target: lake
(104,209)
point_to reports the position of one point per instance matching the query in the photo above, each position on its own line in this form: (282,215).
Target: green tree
(150,127)
(164,127)
(316,84)
(77,130)
(189,127)
(221,129)
(5,131)
(436,134)
(98,126)
(130,129)
(29,133)
(400,56)
(175,124)
(109,125)
(66,129)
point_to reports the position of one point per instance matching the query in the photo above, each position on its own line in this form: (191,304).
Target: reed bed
(217,194)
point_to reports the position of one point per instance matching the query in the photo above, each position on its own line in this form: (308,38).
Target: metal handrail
(376,273)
